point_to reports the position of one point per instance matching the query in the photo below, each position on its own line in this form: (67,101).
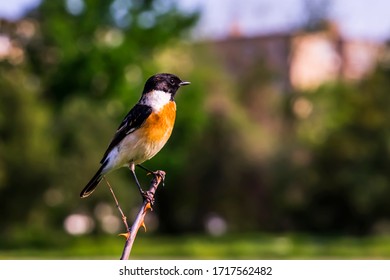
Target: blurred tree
(335,177)
(316,13)
(26,151)
(101,49)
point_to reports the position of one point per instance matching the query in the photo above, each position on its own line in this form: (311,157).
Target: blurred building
(301,60)
(326,56)
(270,53)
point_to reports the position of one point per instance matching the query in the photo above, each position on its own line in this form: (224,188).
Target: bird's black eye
(172,81)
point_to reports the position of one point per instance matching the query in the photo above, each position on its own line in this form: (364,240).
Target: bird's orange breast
(158,126)
(145,142)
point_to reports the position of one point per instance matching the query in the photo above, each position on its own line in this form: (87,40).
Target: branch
(140,219)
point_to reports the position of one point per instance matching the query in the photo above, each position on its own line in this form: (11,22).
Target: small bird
(144,130)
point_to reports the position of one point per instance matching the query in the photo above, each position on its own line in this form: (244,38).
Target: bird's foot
(148,197)
(159,175)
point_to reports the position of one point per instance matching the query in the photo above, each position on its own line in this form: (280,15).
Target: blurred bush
(335,171)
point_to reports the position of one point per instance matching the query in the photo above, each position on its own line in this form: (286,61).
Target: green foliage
(337,162)
(242,246)
(26,149)
(104,49)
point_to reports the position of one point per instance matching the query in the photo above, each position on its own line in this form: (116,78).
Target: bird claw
(161,174)
(158,174)
(148,197)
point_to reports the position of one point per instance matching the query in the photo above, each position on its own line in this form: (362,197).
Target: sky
(357,19)
(15,9)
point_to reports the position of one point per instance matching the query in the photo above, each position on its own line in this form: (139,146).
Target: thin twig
(140,218)
(124,218)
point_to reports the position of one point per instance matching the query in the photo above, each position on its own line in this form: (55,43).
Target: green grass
(246,246)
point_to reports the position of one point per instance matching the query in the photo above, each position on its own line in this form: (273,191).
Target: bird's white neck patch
(156,99)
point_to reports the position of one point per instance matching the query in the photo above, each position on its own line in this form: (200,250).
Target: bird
(144,130)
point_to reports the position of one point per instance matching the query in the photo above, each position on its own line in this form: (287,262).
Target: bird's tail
(92,184)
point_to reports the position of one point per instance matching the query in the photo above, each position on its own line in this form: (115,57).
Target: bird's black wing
(133,120)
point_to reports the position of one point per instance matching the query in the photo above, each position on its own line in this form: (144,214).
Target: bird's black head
(165,82)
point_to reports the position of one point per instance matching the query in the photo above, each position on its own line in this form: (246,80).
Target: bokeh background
(282,142)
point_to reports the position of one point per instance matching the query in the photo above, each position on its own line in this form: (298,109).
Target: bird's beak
(184,83)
